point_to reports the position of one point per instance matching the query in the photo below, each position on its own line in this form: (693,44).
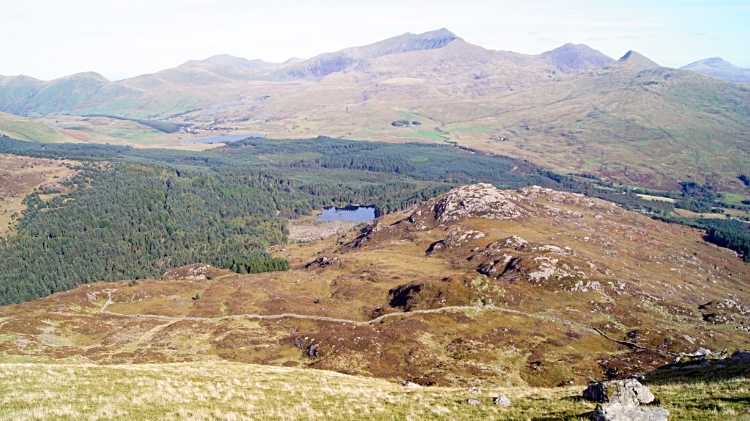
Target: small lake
(349,213)
(223,138)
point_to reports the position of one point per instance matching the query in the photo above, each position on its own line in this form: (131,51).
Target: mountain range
(572,109)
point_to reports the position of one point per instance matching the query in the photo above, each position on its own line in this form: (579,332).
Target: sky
(47,39)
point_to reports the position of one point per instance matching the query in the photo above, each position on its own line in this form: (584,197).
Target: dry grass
(34,390)
(230,391)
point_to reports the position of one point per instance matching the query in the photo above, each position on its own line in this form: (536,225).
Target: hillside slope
(32,130)
(631,122)
(476,286)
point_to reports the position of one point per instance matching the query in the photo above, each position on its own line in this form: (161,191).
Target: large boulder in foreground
(621,400)
(626,412)
(630,392)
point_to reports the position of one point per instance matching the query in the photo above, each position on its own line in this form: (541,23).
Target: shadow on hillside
(712,373)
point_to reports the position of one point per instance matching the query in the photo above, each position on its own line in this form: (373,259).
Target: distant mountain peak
(442,32)
(327,63)
(229,60)
(637,59)
(718,67)
(85,75)
(575,58)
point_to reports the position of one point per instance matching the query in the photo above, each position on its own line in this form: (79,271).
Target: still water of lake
(349,213)
(223,138)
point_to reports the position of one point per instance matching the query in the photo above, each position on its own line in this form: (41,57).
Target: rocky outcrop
(430,294)
(484,201)
(473,201)
(196,271)
(513,259)
(729,312)
(323,262)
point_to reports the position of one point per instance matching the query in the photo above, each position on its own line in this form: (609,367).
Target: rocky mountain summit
(575,58)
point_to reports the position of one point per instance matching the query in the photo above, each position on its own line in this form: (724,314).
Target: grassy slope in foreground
(32,389)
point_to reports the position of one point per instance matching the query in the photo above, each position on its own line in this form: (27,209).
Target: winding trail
(385,316)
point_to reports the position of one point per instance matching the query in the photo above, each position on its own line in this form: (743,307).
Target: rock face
(630,392)
(596,392)
(625,412)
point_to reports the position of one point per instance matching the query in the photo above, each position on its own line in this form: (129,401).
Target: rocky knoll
(474,201)
(512,258)
(485,201)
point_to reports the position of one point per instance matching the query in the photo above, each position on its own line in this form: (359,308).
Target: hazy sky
(124,38)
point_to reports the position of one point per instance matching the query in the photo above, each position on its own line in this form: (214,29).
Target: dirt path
(385,316)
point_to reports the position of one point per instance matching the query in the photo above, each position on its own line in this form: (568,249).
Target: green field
(423,134)
(733,197)
(461,128)
(407,115)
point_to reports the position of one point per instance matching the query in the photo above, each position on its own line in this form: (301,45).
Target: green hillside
(31,130)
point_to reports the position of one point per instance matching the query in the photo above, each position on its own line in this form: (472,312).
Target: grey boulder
(629,391)
(628,412)
(502,400)
(410,384)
